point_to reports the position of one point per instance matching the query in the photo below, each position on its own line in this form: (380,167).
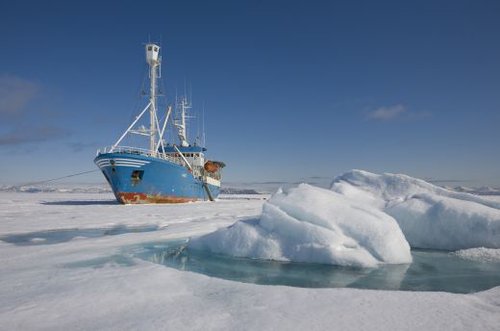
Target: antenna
(176,98)
(203,125)
(191,93)
(198,136)
(185,90)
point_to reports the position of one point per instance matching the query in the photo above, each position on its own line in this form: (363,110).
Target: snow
(315,225)
(89,283)
(492,197)
(480,254)
(364,220)
(429,216)
(387,189)
(445,223)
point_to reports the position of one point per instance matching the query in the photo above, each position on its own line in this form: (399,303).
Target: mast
(153,59)
(180,123)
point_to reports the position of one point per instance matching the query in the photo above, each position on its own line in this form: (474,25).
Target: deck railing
(139,151)
(197,170)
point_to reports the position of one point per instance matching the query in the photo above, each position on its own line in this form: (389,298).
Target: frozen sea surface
(86,281)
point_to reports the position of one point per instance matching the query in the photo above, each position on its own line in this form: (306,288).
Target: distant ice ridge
(231,190)
(429,216)
(485,190)
(94,188)
(311,224)
(480,254)
(62,188)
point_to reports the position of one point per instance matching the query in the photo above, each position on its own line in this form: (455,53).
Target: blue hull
(144,179)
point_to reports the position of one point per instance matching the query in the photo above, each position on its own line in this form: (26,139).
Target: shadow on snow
(50,237)
(80,202)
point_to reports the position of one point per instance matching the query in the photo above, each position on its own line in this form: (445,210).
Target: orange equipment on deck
(213,166)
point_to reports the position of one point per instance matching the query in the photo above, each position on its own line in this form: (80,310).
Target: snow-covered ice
(311,224)
(480,254)
(88,283)
(429,216)
(364,220)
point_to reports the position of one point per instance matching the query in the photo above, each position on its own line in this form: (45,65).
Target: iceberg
(365,219)
(315,225)
(429,216)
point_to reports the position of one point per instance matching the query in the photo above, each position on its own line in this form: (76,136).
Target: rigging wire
(58,178)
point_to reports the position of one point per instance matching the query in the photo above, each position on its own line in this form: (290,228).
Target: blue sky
(292,89)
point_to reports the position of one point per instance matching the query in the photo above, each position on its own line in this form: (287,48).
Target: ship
(158,171)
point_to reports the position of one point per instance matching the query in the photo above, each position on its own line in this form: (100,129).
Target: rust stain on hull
(138,198)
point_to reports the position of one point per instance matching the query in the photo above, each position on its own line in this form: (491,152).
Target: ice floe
(311,224)
(480,254)
(429,216)
(364,219)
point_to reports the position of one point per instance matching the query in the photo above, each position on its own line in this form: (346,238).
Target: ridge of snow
(429,216)
(311,224)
